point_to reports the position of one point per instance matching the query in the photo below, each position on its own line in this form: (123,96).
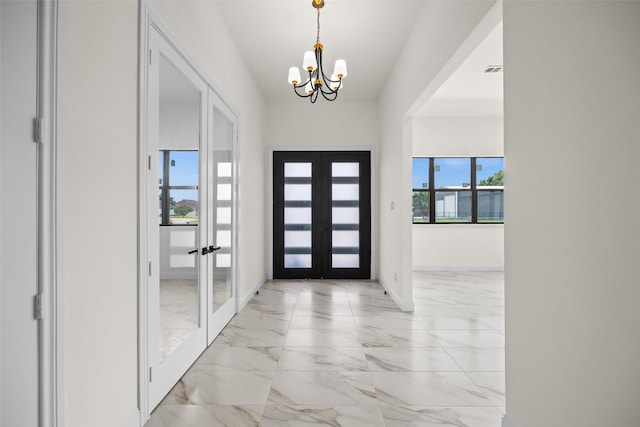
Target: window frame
(431,191)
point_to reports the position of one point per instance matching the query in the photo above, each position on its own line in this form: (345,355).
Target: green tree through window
(495,179)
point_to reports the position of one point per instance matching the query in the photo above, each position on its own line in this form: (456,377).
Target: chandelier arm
(329,96)
(313,97)
(301,96)
(303,84)
(322,73)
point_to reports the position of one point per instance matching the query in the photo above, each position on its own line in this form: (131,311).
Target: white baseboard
(458,268)
(506,422)
(402,304)
(133,420)
(245,299)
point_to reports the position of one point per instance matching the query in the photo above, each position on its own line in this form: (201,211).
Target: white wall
(572,114)
(101,214)
(101,176)
(478,136)
(439,30)
(457,246)
(323,124)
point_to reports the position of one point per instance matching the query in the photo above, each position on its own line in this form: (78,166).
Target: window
(454,190)
(178,179)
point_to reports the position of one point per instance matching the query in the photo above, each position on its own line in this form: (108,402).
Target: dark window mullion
(432,192)
(166,206)
(474,193)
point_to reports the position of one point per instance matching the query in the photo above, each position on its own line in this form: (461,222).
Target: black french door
(321,215)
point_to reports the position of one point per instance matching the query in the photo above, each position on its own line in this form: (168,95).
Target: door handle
(205,250)
(213,249)
(193,251)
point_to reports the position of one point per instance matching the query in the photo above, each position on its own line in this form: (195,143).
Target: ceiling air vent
(493,69)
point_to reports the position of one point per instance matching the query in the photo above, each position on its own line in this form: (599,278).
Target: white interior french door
(177,144)
(191,216)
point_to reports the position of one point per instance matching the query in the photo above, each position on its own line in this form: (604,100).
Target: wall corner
(506,422)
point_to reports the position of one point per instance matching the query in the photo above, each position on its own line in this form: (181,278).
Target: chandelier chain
(318,34)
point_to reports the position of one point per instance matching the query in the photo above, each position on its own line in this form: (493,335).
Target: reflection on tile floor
(338,353)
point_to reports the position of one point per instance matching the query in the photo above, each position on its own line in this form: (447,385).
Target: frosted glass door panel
(343,169)
(345,200)
(297,261)
(297,170)
(301,192)
(346,238)
(224,170)
(224,191)
(297,215)
(224,238)
(224,216)
(345,191)
(345,215)
(297,238)
(345,261)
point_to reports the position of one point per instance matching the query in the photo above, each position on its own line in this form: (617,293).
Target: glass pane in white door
(222,214)
(179,174)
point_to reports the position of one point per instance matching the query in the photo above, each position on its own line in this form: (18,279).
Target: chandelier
(317,82)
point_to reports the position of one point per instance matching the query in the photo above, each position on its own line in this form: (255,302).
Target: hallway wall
(572,108)
(342,124)
(101,190)
(438,32)
(101,213)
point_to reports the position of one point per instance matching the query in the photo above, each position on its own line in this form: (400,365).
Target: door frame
(52,52)
(374,198)
(51,196)
(148,19)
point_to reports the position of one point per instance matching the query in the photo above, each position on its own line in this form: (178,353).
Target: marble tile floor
(339,353)
(179,309)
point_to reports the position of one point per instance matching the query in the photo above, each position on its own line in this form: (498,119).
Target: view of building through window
(458,190)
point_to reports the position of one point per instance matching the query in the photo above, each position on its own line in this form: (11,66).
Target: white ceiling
(369,35)
(273,36)
(468,91)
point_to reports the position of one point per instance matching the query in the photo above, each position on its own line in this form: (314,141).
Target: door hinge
(150,56)
(150,374)
(149,268)
(38,130)
(148,162)
(37,307)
